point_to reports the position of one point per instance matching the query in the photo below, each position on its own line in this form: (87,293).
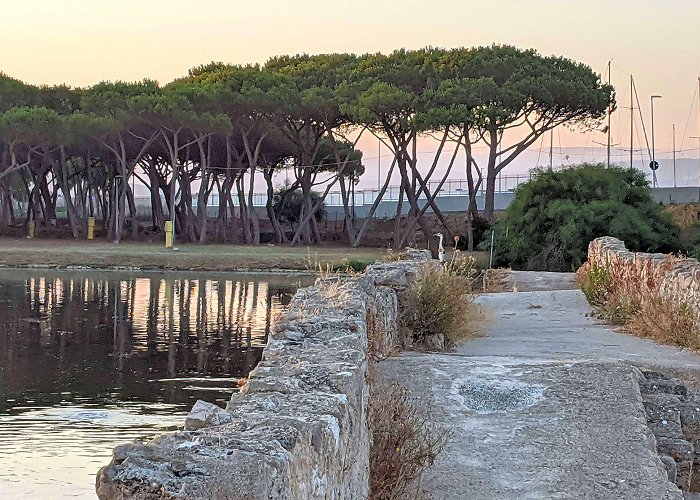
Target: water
(92,360)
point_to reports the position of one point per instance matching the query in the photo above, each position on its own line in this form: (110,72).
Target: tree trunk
(132,210)
(491,173)
(6,211)
(395,243)
(243,209)
(280,237)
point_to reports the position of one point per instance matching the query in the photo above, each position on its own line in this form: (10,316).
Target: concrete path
(545,406)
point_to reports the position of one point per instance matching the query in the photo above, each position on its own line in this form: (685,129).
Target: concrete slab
(529,281)
(557,326)
(523,430)
(545,406)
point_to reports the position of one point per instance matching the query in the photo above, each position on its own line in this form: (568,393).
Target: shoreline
(280,260)
(282,272)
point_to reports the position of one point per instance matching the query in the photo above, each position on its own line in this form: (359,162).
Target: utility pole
(551,148)
(653,150)
(674,155)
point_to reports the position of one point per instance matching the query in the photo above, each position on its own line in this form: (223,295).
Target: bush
(480,226)
(556,214)
(595,283)
(441,302)
(287,206)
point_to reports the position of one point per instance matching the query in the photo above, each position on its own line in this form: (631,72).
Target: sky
(81,42)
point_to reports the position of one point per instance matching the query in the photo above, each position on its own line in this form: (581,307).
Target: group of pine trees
(215,133)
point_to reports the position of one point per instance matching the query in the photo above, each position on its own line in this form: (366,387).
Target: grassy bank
(21,253)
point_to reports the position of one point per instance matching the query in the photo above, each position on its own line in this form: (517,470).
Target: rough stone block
(663,387)
(685,474)
(204,414)
(690,419)
(683,452)
(666,429)
(670,466)
(679,449)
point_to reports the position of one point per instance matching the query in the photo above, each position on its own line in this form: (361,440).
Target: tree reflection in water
(113,337)
(91,360)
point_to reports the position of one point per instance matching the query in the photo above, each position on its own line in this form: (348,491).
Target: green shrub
(350,266)
(595,283)
(555,215)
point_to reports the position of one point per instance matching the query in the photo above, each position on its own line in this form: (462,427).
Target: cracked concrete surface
(545,406)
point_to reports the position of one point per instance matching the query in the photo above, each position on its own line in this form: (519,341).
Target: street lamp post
(653,152)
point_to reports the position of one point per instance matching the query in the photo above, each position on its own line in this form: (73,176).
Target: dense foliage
(556,214)
(214,133)
(288,206)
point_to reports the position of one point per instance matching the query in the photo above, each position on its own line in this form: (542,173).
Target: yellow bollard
(168,234)
(91,228)
(32,229)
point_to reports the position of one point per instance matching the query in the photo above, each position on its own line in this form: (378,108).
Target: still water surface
(89,361)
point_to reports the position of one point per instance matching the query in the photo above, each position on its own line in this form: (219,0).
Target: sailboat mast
(674,155)
(609,113)
(631,122)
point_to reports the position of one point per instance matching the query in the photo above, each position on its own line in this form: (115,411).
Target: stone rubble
(297,428)
(674,418)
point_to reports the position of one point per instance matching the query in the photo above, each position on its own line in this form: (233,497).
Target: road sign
(654,165)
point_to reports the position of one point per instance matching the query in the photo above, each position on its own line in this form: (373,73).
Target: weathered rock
(204,414)
(674,280)
(690,419)
(660,386)
(683,452)
(685,474)
(679,449)
(664,414)
(670,465)
(667,429)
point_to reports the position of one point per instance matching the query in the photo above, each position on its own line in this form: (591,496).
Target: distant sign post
(654,166)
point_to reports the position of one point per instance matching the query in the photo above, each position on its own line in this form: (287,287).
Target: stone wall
(676,280)
(298,427)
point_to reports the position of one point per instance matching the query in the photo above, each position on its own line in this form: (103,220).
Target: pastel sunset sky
(81,42)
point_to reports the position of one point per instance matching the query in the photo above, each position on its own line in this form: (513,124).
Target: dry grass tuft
(684,215)
(631,298)
(494,280)
(390,255)
(441,302)
(405,441)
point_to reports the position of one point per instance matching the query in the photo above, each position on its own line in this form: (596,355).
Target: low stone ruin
(676,279)
(297,428)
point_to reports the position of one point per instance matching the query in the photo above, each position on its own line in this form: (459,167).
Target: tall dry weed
(441,302)
(405,441)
